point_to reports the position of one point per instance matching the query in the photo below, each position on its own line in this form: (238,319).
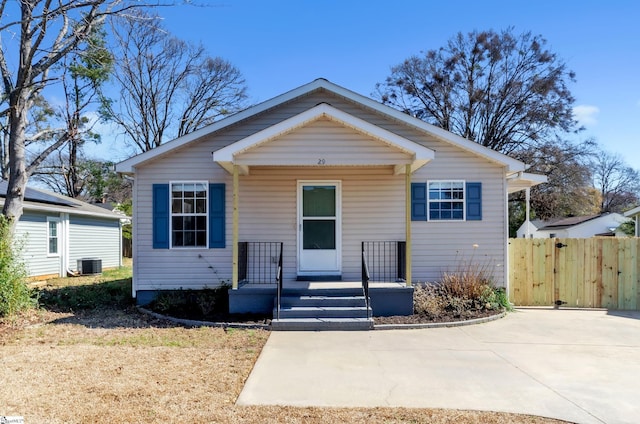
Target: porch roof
(523,180)
(405,151)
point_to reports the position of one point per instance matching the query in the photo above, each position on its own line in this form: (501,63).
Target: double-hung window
(53,236)
(446,200)
(189,202)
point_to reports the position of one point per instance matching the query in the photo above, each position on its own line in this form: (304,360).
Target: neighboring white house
(55,231)
(318,170)
(635,215)
(575,227)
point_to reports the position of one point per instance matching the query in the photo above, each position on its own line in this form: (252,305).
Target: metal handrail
(365,280)
(279,281)
(386,260)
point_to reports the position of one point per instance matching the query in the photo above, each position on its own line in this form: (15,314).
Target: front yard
(89,356)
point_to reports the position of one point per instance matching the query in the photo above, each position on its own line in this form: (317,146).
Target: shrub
(193,303)
(14,293)
(107,294)
(466,289)
(468,282)
(428,300)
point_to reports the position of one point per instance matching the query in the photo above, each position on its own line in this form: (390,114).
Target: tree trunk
(4,157)
(13,204)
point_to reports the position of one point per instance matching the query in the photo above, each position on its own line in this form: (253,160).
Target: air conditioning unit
(87,266)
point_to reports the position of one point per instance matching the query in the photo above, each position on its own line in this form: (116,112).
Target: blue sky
(280,45)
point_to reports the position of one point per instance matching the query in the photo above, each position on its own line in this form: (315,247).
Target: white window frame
(172,214)
(57,221)
(463,201)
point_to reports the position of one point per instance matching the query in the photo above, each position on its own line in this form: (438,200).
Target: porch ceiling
(371,145)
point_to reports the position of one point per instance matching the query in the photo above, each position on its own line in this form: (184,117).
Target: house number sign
(321,161)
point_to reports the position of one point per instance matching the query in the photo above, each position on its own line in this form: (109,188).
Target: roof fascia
(127,166)
(512,165)
(29,206)
(632,212)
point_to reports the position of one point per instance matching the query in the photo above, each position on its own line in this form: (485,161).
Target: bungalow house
(58,235)
(604,225)
(319,189)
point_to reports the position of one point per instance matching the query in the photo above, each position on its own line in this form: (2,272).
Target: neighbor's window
(446,200)
(189,214)
(53,237)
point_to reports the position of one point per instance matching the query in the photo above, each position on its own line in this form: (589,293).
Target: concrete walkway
(577,365)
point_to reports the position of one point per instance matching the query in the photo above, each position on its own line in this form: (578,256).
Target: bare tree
(617,182)
(504,91)
(82,73)
(40,33)
(167,87)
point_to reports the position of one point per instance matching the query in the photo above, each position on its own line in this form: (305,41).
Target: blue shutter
(161,216)
(216,216)
(418,201)
(474,201)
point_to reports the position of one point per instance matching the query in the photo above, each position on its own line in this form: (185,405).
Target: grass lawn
(87,355)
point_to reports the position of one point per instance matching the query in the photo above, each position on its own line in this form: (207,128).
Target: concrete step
(322,324)
(350,291)
(322,301)
(322,312)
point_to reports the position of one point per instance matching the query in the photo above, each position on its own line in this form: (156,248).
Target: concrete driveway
(577,365)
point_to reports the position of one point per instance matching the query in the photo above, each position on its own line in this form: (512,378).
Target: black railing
(365,280)
(386,260)
(279,280)
(259,262)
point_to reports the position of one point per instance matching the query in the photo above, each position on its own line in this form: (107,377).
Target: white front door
(319,228)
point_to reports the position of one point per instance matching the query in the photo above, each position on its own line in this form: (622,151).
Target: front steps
(322,309)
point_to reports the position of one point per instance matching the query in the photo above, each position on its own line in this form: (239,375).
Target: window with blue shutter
(184,212)
(160,216)
(446,201)
(418,201)
(216,216)
(474,201)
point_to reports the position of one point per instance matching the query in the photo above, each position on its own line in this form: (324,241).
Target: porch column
(407,223)
(526,214)
(234,247)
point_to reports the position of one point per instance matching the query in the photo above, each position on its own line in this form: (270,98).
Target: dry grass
(116,365)
(75,369)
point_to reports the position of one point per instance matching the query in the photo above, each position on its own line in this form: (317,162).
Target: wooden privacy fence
(598,272)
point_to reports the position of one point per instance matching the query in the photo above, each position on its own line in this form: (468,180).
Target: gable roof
(421,155)
(512,165)
(46,201)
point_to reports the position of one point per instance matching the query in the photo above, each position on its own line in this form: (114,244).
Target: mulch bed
(448,316)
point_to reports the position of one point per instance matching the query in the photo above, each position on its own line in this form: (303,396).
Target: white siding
(31,236)
(373,204)
(94,238)
(448,246)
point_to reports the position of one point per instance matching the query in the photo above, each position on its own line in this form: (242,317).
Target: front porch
(381,291)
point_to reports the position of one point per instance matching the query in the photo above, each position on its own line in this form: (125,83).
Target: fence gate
(597,272)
